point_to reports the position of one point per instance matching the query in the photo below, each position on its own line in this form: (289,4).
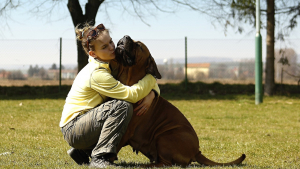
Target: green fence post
(60,49)
(258,58)
(186,79)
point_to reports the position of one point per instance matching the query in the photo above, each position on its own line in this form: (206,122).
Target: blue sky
(164,36)
(162,26)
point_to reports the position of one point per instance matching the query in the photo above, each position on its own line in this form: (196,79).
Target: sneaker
(100,163)
(79,156)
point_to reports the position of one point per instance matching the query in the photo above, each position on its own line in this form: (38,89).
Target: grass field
(227,126)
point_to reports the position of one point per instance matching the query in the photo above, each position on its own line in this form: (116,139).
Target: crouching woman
(92,124)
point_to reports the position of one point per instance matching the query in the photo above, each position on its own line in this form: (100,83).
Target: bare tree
(286,61)
(6,6)
(137,8)
(16,75)
(279,14)
(237,14)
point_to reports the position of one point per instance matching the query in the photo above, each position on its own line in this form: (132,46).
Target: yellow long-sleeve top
(94,84)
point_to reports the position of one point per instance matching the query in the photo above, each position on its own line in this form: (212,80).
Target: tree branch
(162,10)
(138,13)
(91,9)
(75,11)
(8,5)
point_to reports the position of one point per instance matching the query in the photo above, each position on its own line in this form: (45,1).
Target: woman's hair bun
(79,33)
(80,30)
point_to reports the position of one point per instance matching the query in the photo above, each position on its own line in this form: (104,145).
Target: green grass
(227,126)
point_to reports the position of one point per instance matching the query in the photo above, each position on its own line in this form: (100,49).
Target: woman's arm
(145,103)
(105,84)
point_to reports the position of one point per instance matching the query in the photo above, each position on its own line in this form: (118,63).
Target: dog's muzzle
(124,51)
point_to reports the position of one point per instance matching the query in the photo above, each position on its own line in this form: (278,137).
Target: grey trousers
(99,131)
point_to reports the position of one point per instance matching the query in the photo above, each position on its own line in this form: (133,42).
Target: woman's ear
(91,53)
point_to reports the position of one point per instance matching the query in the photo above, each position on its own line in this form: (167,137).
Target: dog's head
(136,56)
(125,53)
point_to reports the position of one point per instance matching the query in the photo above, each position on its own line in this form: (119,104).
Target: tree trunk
(270,40)
(82,57)
(91,9)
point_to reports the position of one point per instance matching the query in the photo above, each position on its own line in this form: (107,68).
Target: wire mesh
(209,60)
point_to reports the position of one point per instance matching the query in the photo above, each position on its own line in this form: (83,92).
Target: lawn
(227,126)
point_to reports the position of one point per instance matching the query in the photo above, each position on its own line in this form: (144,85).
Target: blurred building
(65,74)
(197,71)
(4,74)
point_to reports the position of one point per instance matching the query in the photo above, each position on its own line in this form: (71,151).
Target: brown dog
(163,134)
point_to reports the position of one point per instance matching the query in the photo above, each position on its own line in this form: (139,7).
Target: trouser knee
(128,109)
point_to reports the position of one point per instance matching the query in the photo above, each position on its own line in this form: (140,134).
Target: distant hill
(26,67)
(201,59)
(158,61)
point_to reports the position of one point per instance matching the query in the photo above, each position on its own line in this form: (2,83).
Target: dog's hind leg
(176,147)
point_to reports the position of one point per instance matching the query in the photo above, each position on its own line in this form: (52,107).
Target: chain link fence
(36,61)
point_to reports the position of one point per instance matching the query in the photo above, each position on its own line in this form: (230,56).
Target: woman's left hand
(144,104)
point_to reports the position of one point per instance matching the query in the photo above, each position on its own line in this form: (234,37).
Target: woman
(92,125)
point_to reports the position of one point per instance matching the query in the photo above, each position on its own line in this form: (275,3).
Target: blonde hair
(81,35)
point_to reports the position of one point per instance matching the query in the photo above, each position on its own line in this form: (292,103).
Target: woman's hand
(144,104)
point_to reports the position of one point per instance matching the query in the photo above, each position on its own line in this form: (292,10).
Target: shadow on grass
(180,91)
(33,92)
(218,91)
(204,166)
(131,164)
(194,165)
(33,97)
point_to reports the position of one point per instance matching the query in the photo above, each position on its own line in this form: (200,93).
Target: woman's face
(104,48)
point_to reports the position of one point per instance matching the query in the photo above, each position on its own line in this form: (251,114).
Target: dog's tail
(201,159)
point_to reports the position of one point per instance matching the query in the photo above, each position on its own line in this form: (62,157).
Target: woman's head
(96,42)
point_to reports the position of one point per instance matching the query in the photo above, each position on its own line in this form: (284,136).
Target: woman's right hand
(144,104)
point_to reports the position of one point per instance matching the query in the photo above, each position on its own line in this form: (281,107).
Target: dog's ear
(152,68)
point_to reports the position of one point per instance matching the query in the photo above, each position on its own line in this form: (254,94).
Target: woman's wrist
(152,94)
(155,92)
